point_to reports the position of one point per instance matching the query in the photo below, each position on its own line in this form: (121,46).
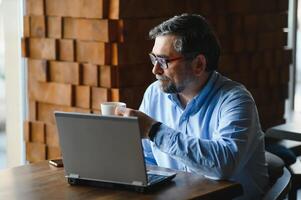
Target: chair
(279,178)
(293,149)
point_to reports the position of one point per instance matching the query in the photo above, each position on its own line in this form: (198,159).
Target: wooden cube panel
(26,131)
(54,27)
(108,76)
(52,137)
(82,96)
(25,47)
(93,52)
(91,29)
(35,152)
(37,132)
(42,48)
(26,26)
(90,74)
(46,111)
(37,26)
(37,70)
(77,8)
(32,110)
(99,95)
(53,152)
(34,7)
(66,50)
(64,72)
(55,93)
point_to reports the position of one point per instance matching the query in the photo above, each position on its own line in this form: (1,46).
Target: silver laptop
(105,151)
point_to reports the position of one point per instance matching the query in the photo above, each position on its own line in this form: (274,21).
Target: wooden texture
(46,111)
(64,72)
(55,93)
(105,30)
(93,52)
(90,74)
(26,131)
(26,26)
(82,96)
(52,137)
(25,47)
(34,7)
(42,48)
(32,110)
(77,8)
(66,50)
(91,29)
(37,26)
(54,27)
(37,70)
(37,133)
(53,152)
(42,181)
(35,152)
(99,95)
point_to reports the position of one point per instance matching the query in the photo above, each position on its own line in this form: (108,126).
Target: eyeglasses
(163,62)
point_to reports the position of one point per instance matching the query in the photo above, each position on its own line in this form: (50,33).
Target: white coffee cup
(108,108)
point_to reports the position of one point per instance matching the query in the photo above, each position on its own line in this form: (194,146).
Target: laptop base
(141,189)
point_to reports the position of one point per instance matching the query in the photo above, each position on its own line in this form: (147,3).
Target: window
(297,100)
(2,97)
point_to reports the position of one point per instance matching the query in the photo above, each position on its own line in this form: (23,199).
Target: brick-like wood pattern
(83,52)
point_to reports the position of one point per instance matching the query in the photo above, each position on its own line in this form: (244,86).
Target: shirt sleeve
(218,157)
(147,150)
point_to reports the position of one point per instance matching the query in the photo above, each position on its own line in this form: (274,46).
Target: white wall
(12,13)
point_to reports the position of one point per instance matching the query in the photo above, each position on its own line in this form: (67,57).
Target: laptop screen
(104,148)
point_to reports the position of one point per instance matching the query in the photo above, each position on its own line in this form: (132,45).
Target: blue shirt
(217,134)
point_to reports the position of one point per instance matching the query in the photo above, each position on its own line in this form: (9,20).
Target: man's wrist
(153,130)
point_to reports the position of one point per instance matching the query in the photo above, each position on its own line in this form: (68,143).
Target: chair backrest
(280,182)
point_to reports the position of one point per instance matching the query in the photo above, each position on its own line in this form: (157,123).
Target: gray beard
(167,86)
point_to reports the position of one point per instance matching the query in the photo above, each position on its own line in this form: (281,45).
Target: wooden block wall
(83,52)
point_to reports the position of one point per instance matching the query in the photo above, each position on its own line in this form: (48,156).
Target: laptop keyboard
(154,178)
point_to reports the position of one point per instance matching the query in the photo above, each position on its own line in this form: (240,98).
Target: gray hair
(194,36)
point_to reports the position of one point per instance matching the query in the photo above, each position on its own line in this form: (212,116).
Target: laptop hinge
(73,176)
(139,183)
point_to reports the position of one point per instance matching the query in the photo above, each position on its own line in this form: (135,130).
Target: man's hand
(145,122)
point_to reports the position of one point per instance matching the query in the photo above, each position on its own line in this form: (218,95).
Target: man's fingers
(120,110)
(124,111)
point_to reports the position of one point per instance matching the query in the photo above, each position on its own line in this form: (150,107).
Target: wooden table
(289,131)
(42,181)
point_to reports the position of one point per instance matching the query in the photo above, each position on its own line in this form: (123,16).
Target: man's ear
(200,64)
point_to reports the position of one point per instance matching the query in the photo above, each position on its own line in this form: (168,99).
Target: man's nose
(157,69)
